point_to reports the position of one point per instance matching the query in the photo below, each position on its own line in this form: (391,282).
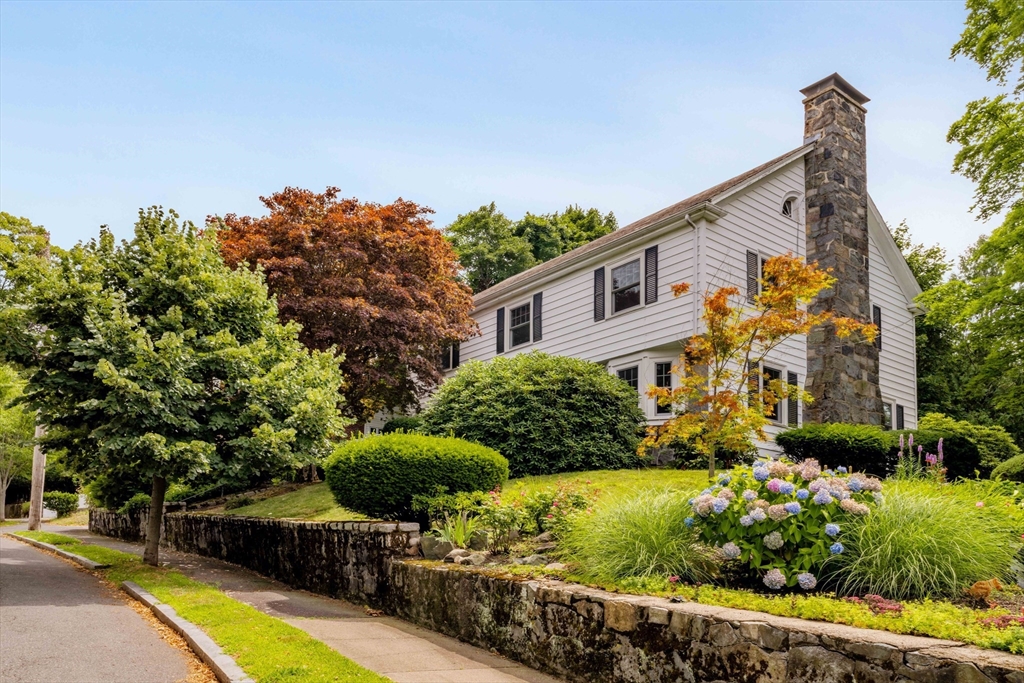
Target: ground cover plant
(267,648)
(546,414)
(311,502)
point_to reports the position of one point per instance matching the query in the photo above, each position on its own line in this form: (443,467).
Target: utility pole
(35,506)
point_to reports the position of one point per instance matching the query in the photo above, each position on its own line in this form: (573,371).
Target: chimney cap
(837,82)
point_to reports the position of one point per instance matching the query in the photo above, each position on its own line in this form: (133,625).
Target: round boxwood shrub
(546,414)
(1011,470)
(862,447)
(961,456)
(61,502)
(379,475)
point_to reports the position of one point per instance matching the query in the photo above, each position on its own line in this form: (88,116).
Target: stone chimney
(842,376)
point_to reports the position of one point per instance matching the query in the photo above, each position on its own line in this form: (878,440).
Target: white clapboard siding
(897,361)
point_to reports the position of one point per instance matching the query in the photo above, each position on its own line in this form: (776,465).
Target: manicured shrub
(961,457)
(642,535)
(994,443)
(863,448)
(546,414)
(926,540)
(137,503)
(61,503)
(1011,470)
(402,423)
(782,521)
(379,475)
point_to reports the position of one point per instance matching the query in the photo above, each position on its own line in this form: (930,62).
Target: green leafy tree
(488,248)
(24,253)
(552,235)
(16,430)
(159,361)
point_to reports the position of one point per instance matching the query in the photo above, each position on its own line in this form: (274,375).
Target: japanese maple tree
(723,399)
(376,282)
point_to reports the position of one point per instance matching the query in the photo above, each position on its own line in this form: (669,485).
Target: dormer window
(787,208)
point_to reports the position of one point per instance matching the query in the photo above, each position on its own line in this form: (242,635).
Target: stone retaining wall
(129,527)
(581,634)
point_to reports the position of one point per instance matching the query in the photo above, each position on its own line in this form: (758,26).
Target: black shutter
(792,403)
(501,331)
(455,355)
(651,274)
(538,300)
(899,417)
(752,276)
(599,294)
(876,318)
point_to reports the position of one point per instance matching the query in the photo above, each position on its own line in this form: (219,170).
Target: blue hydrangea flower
(806,581)
(792,507)
(803,494)
(841,470)
(688,521)
(823,497)
(836,548)
(854,485)
(832,530)
(746,520)
(761,473)
(730,551)
(775,579)
(705,492)
(719,505)
(758,515)
(828,473)
(749,495)
(724,478)
(786,488)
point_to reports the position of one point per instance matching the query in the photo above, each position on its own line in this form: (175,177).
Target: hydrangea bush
(782,520)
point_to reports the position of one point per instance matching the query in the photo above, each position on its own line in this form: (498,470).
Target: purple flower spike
(911,445)
(940,449)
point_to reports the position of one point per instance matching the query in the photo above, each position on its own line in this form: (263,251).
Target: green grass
(612,484)
(77,518)
(312,502)
(268,649)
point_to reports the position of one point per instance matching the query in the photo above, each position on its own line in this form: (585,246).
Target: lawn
(267,648)
(77,518)
(312,502)
(610,484)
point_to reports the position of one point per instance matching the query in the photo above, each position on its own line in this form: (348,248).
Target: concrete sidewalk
(59,624)
(392,647)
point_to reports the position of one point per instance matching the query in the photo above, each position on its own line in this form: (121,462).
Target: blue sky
(204,107)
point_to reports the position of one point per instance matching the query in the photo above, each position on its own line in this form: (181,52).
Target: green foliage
(17,426)
(554,234)
(641,535)
(161,362)
(402,423)
(547,414)
(1010,470)
(459,530)
(961,457)
(140,502)
(780,516)
(994,443)
(24,251)
(379,475)
(555,509)
(61,503)
(863,448)
(926,540)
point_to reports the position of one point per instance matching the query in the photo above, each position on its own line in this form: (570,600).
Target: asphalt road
(61,625)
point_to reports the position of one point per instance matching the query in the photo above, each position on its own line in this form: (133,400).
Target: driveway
(60,624)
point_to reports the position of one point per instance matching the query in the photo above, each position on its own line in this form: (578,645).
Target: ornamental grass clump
(927,540)
(782,521)
(642,535)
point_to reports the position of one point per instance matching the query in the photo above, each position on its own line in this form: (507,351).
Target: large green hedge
(546,414)
(862,447)
(961,457)
(1010,470)
(994,443)
(379,475)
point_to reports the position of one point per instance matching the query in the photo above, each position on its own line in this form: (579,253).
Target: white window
(519,325)
(631,376)
(626,286)
(662,380)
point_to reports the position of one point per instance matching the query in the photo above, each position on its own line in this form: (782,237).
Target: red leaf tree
(376,282)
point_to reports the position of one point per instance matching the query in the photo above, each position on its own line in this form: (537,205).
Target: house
(610,301)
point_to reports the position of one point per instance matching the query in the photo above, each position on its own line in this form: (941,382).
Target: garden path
(397,649)
(58,623)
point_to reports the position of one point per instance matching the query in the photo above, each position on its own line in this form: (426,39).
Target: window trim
(794,197)
(779,418)
(610,290)
(663,411)
(887,426)
(639,375)
(528,303)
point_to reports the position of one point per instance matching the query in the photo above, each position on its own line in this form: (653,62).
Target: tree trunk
(3,502)
(35,506)
(711,464)
(156,514)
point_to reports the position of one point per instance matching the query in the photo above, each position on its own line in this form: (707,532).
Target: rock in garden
(544,547)
(556,566)
(532,560)
(478,541)
(474,559)
(456,554)
(434,548)
(545,537)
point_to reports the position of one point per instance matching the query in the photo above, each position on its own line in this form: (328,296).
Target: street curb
(223,666)
(84,561)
